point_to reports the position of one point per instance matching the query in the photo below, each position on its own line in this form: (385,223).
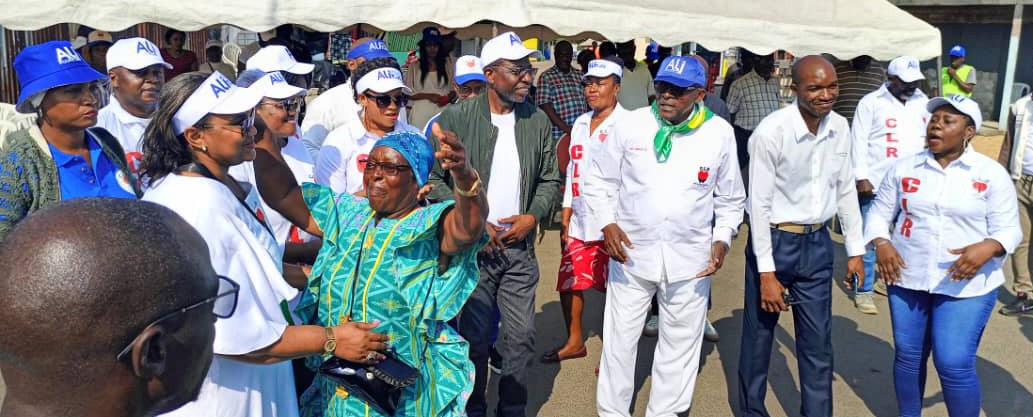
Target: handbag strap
(203,171)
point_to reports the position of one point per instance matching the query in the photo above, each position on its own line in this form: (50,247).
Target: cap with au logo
(682,71)
(134,54)
(48,65)
(278,58)
(216,95)
(960,103)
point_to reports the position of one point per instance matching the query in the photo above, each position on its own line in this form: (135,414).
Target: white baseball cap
(469,68)
(134,54)
(382,80)
(603,68)
(505,46)
(275,86)
(277,58)
(216,95)
(960,103)
(906,68)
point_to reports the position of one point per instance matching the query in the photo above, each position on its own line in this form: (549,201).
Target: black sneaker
(1021,306)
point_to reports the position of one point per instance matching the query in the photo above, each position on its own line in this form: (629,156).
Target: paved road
(863,384)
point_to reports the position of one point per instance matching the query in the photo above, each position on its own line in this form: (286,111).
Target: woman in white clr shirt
(954,217)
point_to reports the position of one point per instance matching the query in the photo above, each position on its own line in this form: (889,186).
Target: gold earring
(204,148)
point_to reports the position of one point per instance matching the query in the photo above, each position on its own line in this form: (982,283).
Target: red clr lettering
(909,185)
(905,228)
(577,172)
(890,138)
(576,152)
(891,152)
(891,123)
(903,205)
(574,191)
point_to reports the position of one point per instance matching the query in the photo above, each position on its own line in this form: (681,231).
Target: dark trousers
(742,138)
(803,264)
(510,281)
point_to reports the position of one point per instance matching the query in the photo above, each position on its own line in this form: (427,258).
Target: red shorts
(584,265)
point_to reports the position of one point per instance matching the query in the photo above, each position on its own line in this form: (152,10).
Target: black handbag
(380,385)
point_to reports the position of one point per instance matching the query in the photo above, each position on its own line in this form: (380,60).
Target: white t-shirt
(504,184)
(585,145)
(334,108)
(303,168)
(128,129)
(1027,156)
(338,164)
(244,251)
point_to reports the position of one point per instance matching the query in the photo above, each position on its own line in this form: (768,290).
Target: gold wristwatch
(331,341)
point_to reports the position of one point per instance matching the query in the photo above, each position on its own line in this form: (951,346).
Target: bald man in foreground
(108,310)
(799,176)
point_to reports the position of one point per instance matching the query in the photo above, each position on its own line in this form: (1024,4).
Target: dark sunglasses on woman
(384,101)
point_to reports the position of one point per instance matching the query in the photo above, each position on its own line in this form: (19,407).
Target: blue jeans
(869,254)
(950,328)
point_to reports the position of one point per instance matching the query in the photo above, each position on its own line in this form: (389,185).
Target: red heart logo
(602,136)
(979,186)
(702,176)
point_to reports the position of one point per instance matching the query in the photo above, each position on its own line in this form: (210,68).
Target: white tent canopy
(844,28)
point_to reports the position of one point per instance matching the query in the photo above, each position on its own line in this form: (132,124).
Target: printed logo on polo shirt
(260,215)
(220,85)
(146,47)
(134,160)
(675,65)
(979,185)
(703,174)
(909,184)
(602,135)
(360,162)
(123,182)
(66,55)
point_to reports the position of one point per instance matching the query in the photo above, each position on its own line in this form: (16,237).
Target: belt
(800,229)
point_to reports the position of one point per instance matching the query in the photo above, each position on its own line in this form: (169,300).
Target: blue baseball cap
(653,52)
(958,51)
(372,49)
(48,65)
(682,71)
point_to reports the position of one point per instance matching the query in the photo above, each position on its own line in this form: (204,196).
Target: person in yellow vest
(958,78)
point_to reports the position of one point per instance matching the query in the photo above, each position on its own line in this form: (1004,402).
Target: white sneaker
(652,328)
(865,304)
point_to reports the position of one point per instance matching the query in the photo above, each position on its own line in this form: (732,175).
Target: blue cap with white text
(48,65)
(372,49)
(682,71)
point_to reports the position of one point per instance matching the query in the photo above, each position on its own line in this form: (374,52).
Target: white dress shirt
(672,212)
(128,129)
(585,144)
(338,163)
(333,108)
(938,209)
(885,129)
(799,177)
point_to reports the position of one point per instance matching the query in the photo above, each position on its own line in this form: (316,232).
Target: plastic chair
(230,53)
(1019,90)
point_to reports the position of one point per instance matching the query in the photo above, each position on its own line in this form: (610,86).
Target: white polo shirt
(338,165)
(884,130)
(799,177)
(672,212)
(128,129)
(333,108)
(585,144)
(938,209)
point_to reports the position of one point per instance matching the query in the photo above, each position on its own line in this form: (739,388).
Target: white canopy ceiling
(844,28)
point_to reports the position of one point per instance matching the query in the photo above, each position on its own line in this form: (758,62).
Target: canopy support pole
(1009,68)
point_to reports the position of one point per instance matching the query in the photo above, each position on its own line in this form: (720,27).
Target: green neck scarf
(662,140)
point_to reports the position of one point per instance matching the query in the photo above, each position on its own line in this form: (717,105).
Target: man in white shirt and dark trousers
(1017,157)
(662,245)
(800,176)
(137,73)
(889,123)
(510,145)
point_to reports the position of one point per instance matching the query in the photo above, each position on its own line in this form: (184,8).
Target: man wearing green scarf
(667,186)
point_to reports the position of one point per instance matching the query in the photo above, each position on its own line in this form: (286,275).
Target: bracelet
(474,190)
(882,242)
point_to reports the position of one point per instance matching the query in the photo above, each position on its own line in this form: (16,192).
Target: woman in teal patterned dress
(393,262)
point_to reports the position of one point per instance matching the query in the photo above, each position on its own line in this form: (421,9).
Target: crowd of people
(376,255)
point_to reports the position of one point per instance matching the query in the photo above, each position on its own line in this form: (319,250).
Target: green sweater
(539,175)
(471,120)
(28,174)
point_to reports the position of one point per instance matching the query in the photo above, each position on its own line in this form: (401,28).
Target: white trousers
(683,312)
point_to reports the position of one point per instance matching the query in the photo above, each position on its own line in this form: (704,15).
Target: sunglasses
(290,105)
(384,101)
(518,71)
(663,87)
(244,125)
(388,169)
(224,303)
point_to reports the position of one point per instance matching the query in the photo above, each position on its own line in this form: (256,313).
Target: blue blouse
(80,179)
